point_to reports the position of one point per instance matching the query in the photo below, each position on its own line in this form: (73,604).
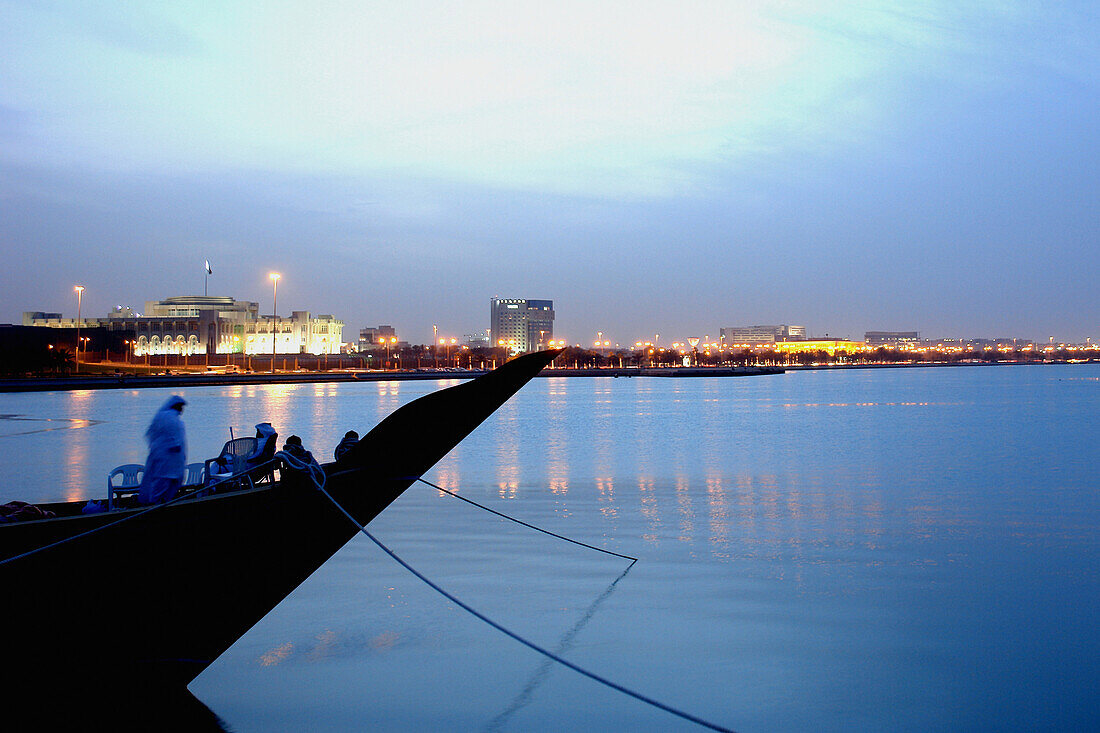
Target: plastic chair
(231,462)
(131,474)
(195,472)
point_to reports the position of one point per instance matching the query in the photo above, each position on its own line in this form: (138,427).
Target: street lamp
(79,298)
(274,314)
(388,341)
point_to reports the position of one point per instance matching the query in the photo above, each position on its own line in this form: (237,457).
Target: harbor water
(881,549)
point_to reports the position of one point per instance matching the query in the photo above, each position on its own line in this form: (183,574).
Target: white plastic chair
(231,463)
(131,474)
(195,474)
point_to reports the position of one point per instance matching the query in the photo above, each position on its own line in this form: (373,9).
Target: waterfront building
(829,346)
(892,338)
(200,324)
(761,334)
(521,325)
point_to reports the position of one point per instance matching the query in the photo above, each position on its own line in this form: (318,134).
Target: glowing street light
(387,342)
(79,297)
(274,314)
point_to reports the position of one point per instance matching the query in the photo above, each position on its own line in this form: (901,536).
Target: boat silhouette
(114,613)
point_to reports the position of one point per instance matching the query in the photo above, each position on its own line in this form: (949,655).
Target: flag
(208,270)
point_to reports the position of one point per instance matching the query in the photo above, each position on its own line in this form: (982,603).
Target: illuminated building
(200,324)
(762,334)
(891,338)
(377,337)
(829,346)
(477,340)
(521,325)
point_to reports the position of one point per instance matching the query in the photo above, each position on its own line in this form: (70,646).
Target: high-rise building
(762,334)
(521,325)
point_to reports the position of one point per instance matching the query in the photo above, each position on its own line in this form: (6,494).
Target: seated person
(350,439)
(265,443)
(264,451)
(293,446)
(259,462)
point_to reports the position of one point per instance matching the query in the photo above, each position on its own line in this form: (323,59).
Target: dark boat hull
(154,599)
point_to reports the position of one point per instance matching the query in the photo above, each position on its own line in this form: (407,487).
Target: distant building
(761,334)
(200,324)
(830,346)
(477,340)
(891,338)
(521,325)
(376,337)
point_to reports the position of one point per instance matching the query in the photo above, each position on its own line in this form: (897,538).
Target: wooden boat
(133,610)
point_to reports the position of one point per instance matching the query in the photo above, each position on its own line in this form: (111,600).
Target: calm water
(909,549)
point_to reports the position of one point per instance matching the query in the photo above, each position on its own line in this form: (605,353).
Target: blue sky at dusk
(653,167)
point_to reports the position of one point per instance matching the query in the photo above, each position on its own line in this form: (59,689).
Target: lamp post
(79,298)
(274,314)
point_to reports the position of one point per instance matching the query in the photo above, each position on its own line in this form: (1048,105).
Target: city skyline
(923,167)
(707,333)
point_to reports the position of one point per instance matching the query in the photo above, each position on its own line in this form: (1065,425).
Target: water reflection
(647,500)
(447,474)
(507,453)
(525,695)
(81,404)
(605,490)
(53,423)
(685,510)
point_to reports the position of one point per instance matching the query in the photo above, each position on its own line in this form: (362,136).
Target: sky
(664,168)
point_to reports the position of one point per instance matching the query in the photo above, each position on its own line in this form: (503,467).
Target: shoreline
(139,381)
(132,381)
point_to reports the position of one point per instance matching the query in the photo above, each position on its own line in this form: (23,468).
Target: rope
(540,674)
(525,524)
(178,497)
(316,473)
(529,644)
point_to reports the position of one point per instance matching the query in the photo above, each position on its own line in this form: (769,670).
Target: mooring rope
(540,674)
(197,493)
(508,632)
(525,524)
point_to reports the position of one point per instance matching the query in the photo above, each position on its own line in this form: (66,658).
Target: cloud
(610,98)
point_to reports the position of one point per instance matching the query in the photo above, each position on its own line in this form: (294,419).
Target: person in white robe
(167,461)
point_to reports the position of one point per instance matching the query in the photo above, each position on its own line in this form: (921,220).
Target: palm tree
(61,360)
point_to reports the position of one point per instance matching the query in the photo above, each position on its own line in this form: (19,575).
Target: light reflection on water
(905,549)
